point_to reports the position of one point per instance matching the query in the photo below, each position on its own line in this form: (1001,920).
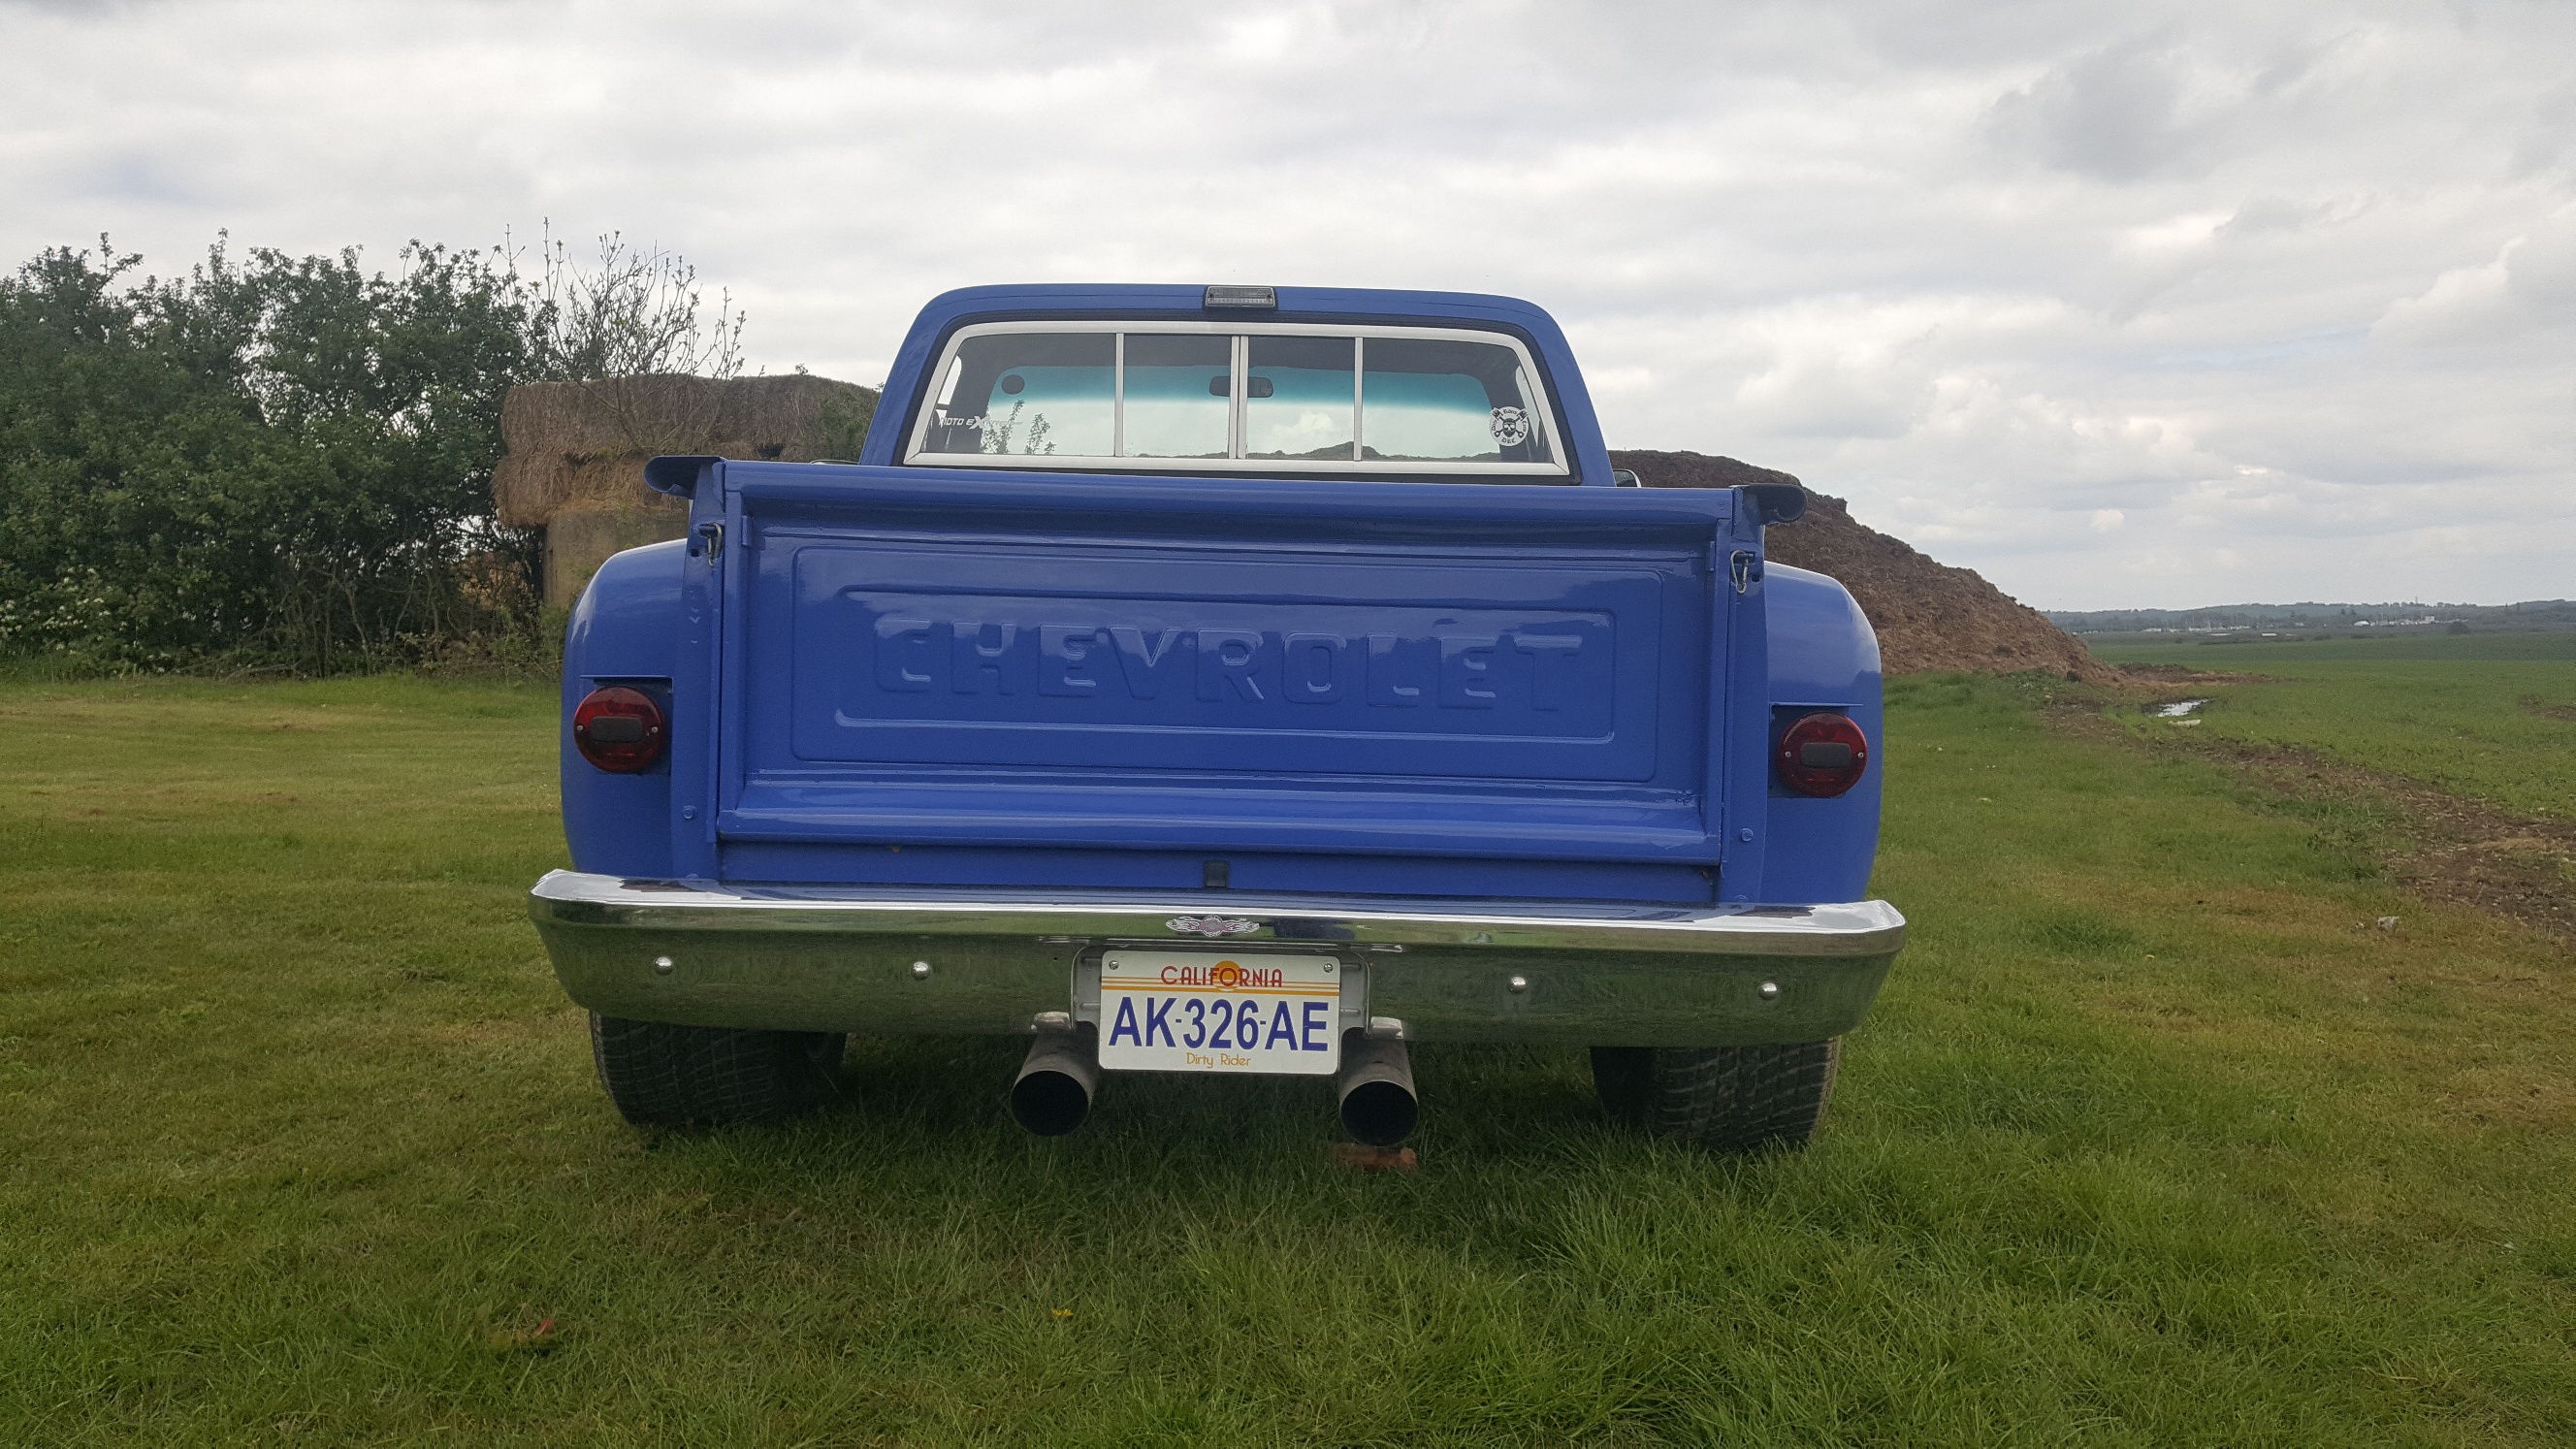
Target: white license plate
(1213,1011)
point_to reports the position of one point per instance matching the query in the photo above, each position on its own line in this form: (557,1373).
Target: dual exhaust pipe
(1052,1094)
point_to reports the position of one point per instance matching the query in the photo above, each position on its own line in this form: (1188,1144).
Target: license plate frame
(1154,1000)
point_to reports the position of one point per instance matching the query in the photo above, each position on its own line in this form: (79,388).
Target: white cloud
(2284,295)
(2530,287)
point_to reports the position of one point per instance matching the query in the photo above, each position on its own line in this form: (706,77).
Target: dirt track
(2432,843)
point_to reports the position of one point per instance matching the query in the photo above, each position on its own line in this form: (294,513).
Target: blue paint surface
(917,675)
(1824,657)
(1409,669)
(620,633)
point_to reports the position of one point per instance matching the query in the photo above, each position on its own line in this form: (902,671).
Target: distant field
(2149,1141)
(2489,716)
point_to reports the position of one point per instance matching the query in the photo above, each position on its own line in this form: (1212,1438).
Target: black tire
(711,1076)
(1729,1099)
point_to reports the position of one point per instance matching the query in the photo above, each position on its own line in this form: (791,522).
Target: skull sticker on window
(1510,426)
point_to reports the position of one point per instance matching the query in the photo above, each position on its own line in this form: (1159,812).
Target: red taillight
(619,729)
(1822,755)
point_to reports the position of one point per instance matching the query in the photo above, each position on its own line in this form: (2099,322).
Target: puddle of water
(2177,709)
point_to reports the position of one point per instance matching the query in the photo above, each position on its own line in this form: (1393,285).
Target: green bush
(841,428)
(277,461)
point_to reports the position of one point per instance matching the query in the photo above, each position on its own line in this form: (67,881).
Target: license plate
(1209,1011)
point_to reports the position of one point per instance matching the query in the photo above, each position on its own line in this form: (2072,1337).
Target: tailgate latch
(1742,568)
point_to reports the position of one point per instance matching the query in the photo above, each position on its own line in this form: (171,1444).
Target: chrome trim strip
(1359,403)
(1852,929)
(1241,362)
(1334,468)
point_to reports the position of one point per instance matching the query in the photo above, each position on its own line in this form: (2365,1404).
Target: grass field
(2488,716)
(2148,1142)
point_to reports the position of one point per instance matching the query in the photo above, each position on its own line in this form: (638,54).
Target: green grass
(2145,1143)
(2488,716)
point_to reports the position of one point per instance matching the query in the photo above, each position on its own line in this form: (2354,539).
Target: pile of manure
(1929,616)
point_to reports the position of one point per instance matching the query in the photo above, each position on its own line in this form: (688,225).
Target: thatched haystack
(576,453)
(1928,615)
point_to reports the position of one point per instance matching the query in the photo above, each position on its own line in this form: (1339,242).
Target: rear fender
(1823,657)
(623,631)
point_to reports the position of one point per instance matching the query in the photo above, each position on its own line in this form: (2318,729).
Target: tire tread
(1728,1099)
(663,1075)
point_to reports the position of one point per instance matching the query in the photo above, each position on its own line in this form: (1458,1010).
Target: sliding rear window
(1212,397)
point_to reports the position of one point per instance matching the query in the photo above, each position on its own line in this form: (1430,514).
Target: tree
(278,458)
(632,324)
(289,459)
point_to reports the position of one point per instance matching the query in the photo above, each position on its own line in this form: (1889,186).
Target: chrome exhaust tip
(1375,1085)
(1052,1095)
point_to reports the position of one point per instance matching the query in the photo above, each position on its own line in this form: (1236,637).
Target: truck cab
(1221,679)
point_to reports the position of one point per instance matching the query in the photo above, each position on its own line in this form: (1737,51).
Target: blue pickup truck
(1223,679)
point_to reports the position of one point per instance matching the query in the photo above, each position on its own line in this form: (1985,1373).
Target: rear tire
(661,1075)
(1727,1099)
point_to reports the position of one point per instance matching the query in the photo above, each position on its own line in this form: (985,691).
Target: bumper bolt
(920,970)
(1519,984)
(661,965)
(1770,990)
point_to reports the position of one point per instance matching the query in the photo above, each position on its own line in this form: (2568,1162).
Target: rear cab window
(1240,397)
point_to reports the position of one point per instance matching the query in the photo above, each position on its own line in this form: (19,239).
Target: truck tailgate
(946,661)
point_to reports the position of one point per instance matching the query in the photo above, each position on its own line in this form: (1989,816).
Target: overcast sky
(2138,304)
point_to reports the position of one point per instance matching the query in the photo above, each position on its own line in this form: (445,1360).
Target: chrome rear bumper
(854,959)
